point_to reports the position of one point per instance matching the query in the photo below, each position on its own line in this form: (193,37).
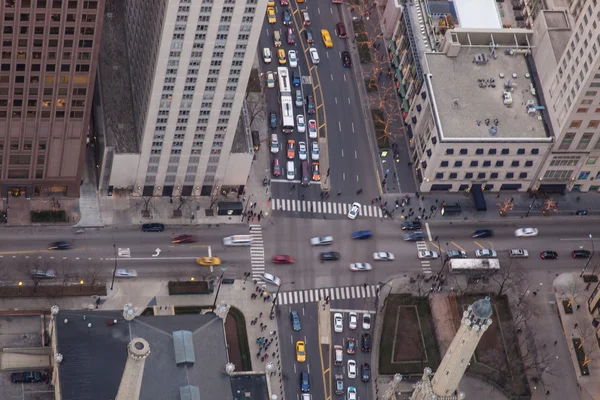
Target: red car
(283,2)
(183,239)
(291,38)
(281,259)
(276,167)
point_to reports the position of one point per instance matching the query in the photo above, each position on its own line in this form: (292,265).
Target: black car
(27,377)
(346,60)
(273,120)
(548,255)
(310,105)
(330,256)
(365,343)
(365,372)
(456,254)
(581,254)
(62,245)
(414,237)
(308,36)
(304,382)
(411,226)
(482,233)
(153,227)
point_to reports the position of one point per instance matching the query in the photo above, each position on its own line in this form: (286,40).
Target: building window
(487,163)
(567,140)
(463,151)
(505,151)
(494,175)
(514,164)
(535,151)
(529,163)
(458,164)
(499,163)
(439,175)
(453,175)
(469,175)
(510,175)
(576,123)
(591,160)
(479,151)
(492,151)
(521,151)
(523,175)
(481,175)
(444,164)
(474,163)
(449,151)
(586,138)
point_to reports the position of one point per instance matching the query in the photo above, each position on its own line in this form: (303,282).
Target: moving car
(271,17)
(456,254)
(154,227)
(329,256)
(291,39)
(314,55)
(366,321)
(28,377)
(283,259)
(360,267)
(486,253)
(413,237)
(351,369)
(321,240)
(271,279)
(276,38)
(365,372)
(305,16)
(208,260)
(291,149)
(350,345)
(352,320)
(302,154)
(312,129)
(354,210)
(270,80)
(383,256)
(276,169)
(43,273)
(482,233)
(581,254)
(287,17)
(326,37)
(183,239)
(549,255)
(304,382)
(365,344)
(338,355)
(426,254)
(339,384)
(518,253)
(284,2)
(346,60)
(267,57)
(308,36)
(62,245)
(310,105)
(126,273)
(296,326)
(290,172)
(338,322)
(281,56)
(314,151)
(300,351)
(300,123)
(526,232)
(411,226)
(293,59)
(316,175)
(300,102)
(273,120)
(340,29)
(274,144)
(361,235)
(295,78)
(351,393)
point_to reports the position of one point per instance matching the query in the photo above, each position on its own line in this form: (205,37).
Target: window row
(487,163)
(44,114)
(5,67)
(49,79)
(54,30)
(583,143)
(46,92)
(36,55)
(464,152)
(480,175)
(71,4)
(54,17)
(52,43)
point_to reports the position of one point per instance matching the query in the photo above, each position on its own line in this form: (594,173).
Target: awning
(405,104)
(478,197)
(392,46)
(553,188)
(230,208)
(511,186)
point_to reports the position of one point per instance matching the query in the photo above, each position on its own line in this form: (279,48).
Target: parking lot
(21,332)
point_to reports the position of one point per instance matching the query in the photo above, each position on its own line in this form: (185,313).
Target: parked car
(267,57)
(276,169)
(291,39)
(549,255)
(482,233)
(314,151)
(383,256)
(351,369)
(338,322)
(427,254)
(339,384)
(273,120)
(366,341)
(28,377)
(486,253)
(330,256)
(154,227)
(350,345)
(352,320)
(365,372)
(338,355)
(43,273)
(351,393)
(366,321)
(456,254)
(518,253)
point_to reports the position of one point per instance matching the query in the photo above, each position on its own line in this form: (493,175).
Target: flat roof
(463,106)
(478,14)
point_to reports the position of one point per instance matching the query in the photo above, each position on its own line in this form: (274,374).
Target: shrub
(364,53)
(359,27)
(48,216)
(370,85)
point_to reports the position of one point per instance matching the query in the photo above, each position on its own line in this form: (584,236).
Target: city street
(351,162)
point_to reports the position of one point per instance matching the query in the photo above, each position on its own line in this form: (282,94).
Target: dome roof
(482,308)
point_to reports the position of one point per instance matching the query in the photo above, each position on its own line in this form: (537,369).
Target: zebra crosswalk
(257,253)
(338,293)
(425,263)
(323,207)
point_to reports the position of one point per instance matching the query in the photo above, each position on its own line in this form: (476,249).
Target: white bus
(238,240)
(474,266)
(287,103)
(283,76)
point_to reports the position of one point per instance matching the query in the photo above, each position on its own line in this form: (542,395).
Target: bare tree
(214,194)
(66,271)
(256,109)
(31,267)
(458,286)
(572,289)
(138,193)
(93,272)
(507,277)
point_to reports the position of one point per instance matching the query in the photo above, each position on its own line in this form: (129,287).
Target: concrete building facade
(48,63)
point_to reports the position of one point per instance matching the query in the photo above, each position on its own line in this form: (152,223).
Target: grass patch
(362,38)
(370,85)
(364,53)
(48,216)
(419,328)
(240,323)
(254,82)
(359,27)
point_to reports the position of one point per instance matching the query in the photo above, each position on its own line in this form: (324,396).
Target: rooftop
(478,14)
(94,358)
(464,107)
(114,84)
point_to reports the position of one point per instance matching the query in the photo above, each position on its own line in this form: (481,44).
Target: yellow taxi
(300,351)
(281,56)
(208,260)
(326,38)
(272,18)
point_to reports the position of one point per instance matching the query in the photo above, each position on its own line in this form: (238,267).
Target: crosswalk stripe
(368,292)
(352,291)
(321,294)
(301,297)
(337,293)
(295,297)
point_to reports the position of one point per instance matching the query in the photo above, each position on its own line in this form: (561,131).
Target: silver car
(126,273)
(321,241)
(43,273)
(314,151)
(271,279)
(302,154)
(486,253)
(299,99)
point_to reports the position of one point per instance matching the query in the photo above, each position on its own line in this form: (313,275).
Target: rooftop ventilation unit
(480,59)
(507,99)
(493,130)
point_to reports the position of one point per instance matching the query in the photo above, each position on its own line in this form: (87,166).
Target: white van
(290,171)
(237,240)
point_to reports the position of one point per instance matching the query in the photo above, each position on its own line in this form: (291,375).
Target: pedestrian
(339,193)
(262,358)
(266,356)
(258,355)
(273,354)
(259,217)
(547,392)
(260,315)
(261,294)
(555,342)
(293,186)
(372,201)
(365,285)
(359,191)
(578,306)
(575,326)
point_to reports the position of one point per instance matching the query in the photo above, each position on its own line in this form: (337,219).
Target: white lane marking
(355,154)
(342,153)
(356,178)
(428,231)
(348,100)
(356,311)
(353,127)
(335,100)
(340,125)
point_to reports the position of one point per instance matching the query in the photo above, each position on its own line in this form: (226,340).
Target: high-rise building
(189,63)
(444,383)
(567,43)
(47,68)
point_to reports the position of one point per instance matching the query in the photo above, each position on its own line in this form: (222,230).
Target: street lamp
(590,257)
(81,287)
(218,288)
(114,274)
(277,294)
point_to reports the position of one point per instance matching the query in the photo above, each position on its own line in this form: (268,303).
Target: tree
(549,206)
(66,269)
(34,268)
(146,200)
(214,195)
(256,108)
(507,277)
(93,271)
(572,290)
(505,206)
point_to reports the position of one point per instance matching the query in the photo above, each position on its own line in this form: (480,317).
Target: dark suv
(365,343)
(581,254)
(310,105)
(273,120)
(330,256)
(411,226)
(346,59)
(27,377)
(153,227)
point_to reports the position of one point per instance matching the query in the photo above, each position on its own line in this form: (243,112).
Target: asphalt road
(309,333)
(351,163)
